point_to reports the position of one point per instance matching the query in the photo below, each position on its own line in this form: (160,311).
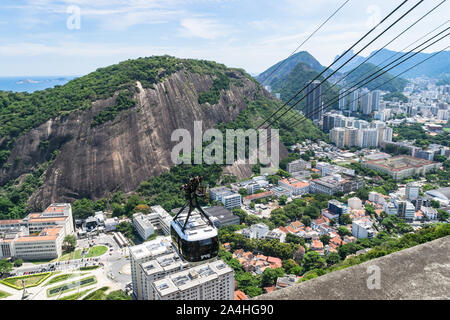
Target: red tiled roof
(239,295)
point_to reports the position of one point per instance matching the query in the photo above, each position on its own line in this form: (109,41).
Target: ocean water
(30,84)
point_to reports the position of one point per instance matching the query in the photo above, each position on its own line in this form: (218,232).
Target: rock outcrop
(96,161)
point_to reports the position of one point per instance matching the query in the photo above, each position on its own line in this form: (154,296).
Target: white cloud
(203,28)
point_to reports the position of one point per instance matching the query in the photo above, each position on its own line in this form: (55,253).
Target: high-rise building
(369,138)
(412,190)
(352,137)
(208,281)
(376,100)
(142,253)
(354,99)
(342,99)
(337,136)
(314,101)
(366,102)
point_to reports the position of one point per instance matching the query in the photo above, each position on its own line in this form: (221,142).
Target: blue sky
(250,34)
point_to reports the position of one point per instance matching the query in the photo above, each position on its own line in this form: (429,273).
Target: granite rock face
(96,161)
(421,272)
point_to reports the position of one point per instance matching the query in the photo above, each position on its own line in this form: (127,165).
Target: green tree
(69,242)
(282,200)
(312,260)
(83,208)
(325,239)
(306,220)
(345,219)
(343,231)
(118,295)
(332,258)
(270,276)
(435,204)
(126,228)
(5,266)
(292,238)
(443,215)
(18,262)
(243,192)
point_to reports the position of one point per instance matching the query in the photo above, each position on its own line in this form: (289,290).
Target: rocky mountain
(267,78)
(111,130)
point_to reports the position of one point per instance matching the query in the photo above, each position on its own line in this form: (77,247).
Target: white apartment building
(157,219)
(376,197)
(430,213)
(229,198)
(256,231)
(369,138)
(362,229)
(390,208)
(354,203)
(46,245)
(337,136)
(209,281)
(412,190)
(142,253)
(143,225)
(158,269)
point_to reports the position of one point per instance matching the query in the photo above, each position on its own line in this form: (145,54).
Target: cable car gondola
(192,232)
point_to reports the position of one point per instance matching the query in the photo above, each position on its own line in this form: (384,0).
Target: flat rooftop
(399,163)
(152,248)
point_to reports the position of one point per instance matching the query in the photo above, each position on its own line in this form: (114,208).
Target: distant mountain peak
(285,66)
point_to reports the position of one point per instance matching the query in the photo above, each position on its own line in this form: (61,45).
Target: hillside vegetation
(20,112)
(365,70)
(223,97)
(295,80)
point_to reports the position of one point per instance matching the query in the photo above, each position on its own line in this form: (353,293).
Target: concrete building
(143,226)
(209,281)
(362,229)
(256,231)
(337,207)
(403,166)
(376,197)
(38,235)
(221,216)
(366,102)
(354,100)
(368,138)
(355,203)
(295,186)
(229,198)
(343,99)
(157,219)
(111,224)
(376,100)
(158,269)
(337,136)
(298,165)
(335,183)
(412,190)
(314,106)
(142,253)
